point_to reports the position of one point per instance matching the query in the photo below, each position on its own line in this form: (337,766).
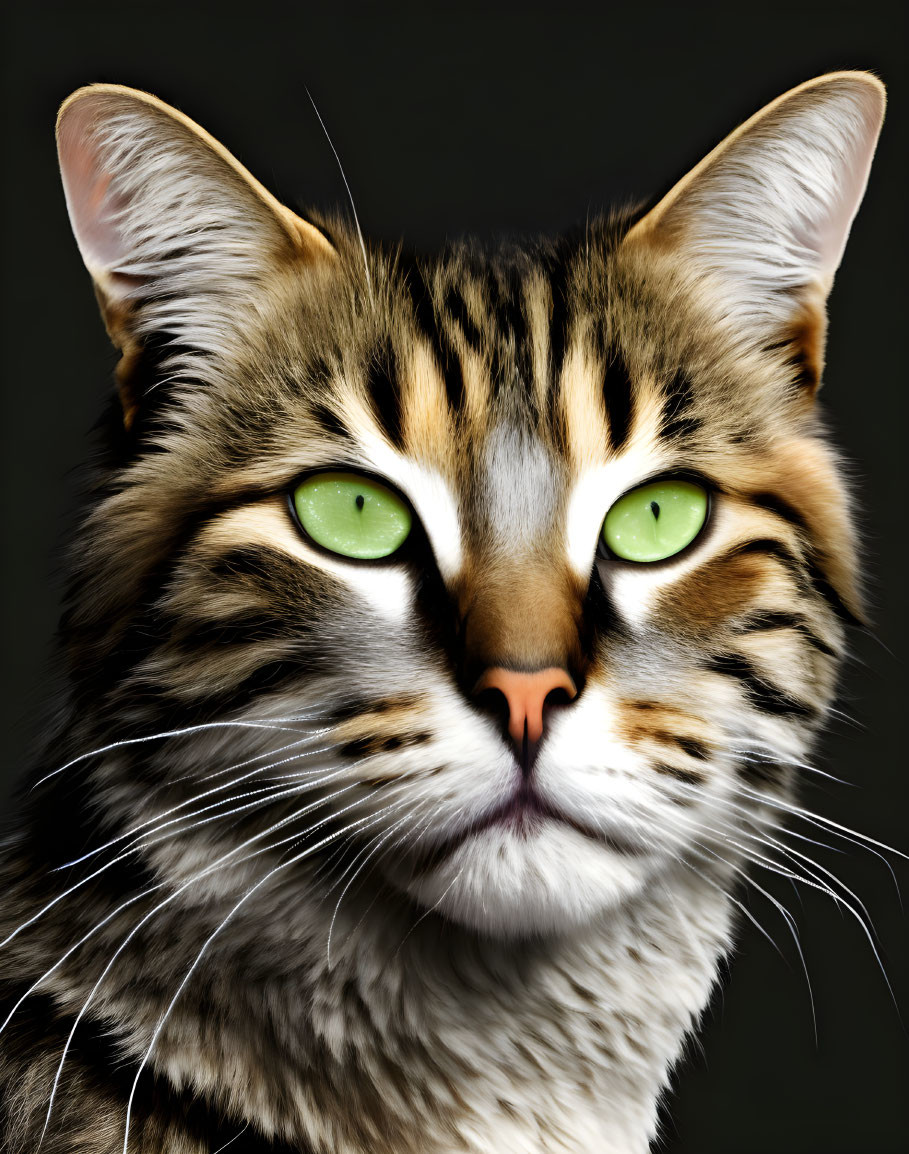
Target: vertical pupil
(360,500)
(654,508)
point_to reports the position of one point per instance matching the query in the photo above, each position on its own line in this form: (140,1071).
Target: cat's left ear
(180,240)
(765,216)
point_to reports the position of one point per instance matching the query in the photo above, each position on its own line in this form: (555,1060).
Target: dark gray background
(520,118)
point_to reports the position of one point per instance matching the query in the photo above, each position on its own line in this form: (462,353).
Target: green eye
(655,521)
(352,515)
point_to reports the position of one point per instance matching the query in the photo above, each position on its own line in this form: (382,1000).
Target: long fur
(249,899)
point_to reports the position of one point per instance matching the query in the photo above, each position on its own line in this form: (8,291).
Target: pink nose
(526,694)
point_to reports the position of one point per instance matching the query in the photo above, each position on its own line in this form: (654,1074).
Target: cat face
(507,715)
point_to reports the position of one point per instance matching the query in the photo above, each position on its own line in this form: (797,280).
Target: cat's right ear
(179,238)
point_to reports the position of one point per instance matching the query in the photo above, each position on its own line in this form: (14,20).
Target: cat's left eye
(352,515)
(655,521)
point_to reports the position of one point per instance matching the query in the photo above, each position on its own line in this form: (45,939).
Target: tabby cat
(444,636)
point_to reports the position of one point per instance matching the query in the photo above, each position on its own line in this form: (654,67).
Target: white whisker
(353,206)
(208,941)
(167,733)
(218,863)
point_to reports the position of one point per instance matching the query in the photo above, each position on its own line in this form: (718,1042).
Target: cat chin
(515,883)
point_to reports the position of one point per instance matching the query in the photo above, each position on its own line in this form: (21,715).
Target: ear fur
(176,234)
(767,213)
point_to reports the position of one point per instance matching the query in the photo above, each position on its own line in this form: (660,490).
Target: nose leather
(526,694)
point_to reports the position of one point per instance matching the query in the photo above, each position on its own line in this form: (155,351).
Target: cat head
(520,575)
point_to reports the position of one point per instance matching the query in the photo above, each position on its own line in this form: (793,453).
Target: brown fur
(205,634)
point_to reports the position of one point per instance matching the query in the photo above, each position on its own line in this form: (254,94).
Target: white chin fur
(514,883)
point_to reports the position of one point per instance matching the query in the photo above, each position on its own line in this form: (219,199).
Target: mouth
(523,814)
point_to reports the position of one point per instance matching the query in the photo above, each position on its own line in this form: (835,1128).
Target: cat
(443,638)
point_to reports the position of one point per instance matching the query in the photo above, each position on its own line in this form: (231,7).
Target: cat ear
(178,237)
(766,215)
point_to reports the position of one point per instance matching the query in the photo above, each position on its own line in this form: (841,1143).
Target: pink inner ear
(93,203)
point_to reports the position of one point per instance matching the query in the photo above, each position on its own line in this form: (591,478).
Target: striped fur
(277,754)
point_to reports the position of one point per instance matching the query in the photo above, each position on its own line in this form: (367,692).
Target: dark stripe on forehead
(456,307)
(445,355)
(385,397)
(452,375)
(329,421)
(507,309)
(618,399)
(558,272)
(502,304)
(678,420)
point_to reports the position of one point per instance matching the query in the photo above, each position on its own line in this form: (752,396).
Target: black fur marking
(384,392)
(253,562)
(823,588)
(686,776)
(366,706)
(600,618)
(618,399)
(456,307)
(381,743)
(505,306)
(694,748)
(770,547)
(329,421)
(558,271)
(453,376)
(777,505)
(106,662)
(758,622)
(446,356)
(804,368)
(764,696)
(62,819)
(151,386)
(677,420)
(268,678)
(248,627)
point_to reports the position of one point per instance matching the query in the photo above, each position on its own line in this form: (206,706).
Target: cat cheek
(387,592)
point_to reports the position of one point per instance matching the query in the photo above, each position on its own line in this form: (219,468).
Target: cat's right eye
(352,515)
